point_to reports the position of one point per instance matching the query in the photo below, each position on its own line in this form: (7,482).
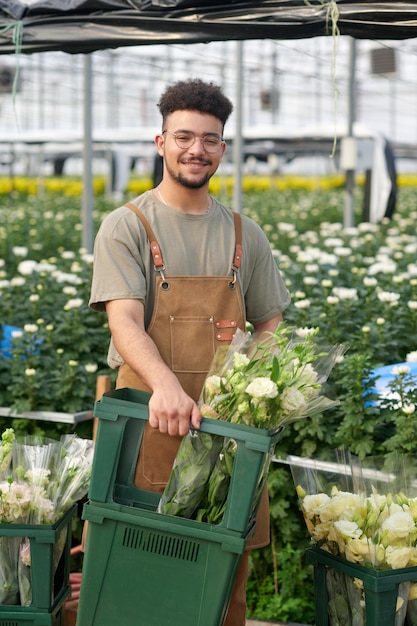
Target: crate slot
(157,543)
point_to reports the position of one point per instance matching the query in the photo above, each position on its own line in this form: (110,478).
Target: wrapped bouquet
(39,482)
(364,512)
(265,383)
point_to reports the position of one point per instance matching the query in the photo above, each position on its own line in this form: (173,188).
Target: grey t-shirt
(190,245)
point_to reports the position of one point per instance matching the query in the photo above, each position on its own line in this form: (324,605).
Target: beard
(186,182)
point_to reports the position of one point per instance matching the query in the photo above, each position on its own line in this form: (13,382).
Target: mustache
(197,160)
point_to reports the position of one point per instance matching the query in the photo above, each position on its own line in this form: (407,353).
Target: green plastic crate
(144,568)
(122,416)
(32,617)
(380,587)
(49,588)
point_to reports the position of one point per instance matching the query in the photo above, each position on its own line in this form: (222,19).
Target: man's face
(194,165)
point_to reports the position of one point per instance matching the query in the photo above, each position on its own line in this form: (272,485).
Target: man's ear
(159,143)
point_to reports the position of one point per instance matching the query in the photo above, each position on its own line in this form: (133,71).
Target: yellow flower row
(73,186)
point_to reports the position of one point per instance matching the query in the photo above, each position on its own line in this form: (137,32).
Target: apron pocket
(188,333)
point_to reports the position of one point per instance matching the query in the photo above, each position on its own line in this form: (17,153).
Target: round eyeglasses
(186,138)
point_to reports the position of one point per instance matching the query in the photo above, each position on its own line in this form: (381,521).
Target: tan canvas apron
(192,317)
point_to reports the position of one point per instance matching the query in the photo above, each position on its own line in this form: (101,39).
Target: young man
(177,273)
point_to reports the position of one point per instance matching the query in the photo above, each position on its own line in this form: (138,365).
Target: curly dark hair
(195,95)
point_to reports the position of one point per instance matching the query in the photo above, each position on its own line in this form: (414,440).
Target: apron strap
(238,247)
(156,251)
(158,262)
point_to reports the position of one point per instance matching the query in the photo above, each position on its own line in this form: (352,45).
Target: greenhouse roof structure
(83,26)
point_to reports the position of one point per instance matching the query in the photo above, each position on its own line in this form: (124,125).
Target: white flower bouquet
(41,482)
(265,383)
(358,511)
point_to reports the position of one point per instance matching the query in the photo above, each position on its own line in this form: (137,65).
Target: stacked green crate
(142,567)
(48,576)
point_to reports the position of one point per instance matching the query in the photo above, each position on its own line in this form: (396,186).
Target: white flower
(348,529)
(411,357)
(17,281)
(398,557)
(30,328)
(20,250)
(27,267)
(292,400)
(302,304)
(30,371)
(408,409)
(345,293)
(68,254)
(332,300)
(91,368)
(306,331)
(388,296)
(73,303)
(240,361)
(262,387)
(398,525)
(313,504)
(400,370)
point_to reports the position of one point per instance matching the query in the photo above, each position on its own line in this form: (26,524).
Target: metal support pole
(87,199)
(349,217)
(238,142)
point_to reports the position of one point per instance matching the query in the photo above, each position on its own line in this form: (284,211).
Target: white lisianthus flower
(30,371)
(308,376)
(412,593)
(357,550)
(72,363)
(212,385)
(343,504)
(313,504)
(411,357)
(292,400)
(408,409)
(240,361)
(348,529)
(306,332)
(398,557)
(262,387)
(320,531)
(398,525)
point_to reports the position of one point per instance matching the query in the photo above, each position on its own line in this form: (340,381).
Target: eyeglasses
(186,138)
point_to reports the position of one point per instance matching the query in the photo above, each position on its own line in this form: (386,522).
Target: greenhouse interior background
(286,90)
